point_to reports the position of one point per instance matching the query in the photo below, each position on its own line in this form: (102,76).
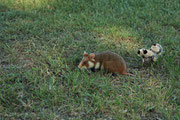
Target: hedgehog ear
(85,53)
(92,55)
(145,51)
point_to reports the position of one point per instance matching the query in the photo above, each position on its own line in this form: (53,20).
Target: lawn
(42,43)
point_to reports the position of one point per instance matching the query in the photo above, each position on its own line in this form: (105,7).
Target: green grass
(42,42)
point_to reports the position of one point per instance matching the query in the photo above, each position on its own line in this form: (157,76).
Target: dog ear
(145,51)
(138,52)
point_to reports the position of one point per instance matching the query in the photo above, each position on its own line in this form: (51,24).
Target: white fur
(91,64)
(149,53)
(142,60)
(97,65)
(155,58)
(149,56)
(141,52)
(156,49)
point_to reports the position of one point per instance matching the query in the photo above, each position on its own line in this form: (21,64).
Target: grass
(42,42)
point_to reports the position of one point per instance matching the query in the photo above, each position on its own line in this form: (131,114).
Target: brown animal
(107,60)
